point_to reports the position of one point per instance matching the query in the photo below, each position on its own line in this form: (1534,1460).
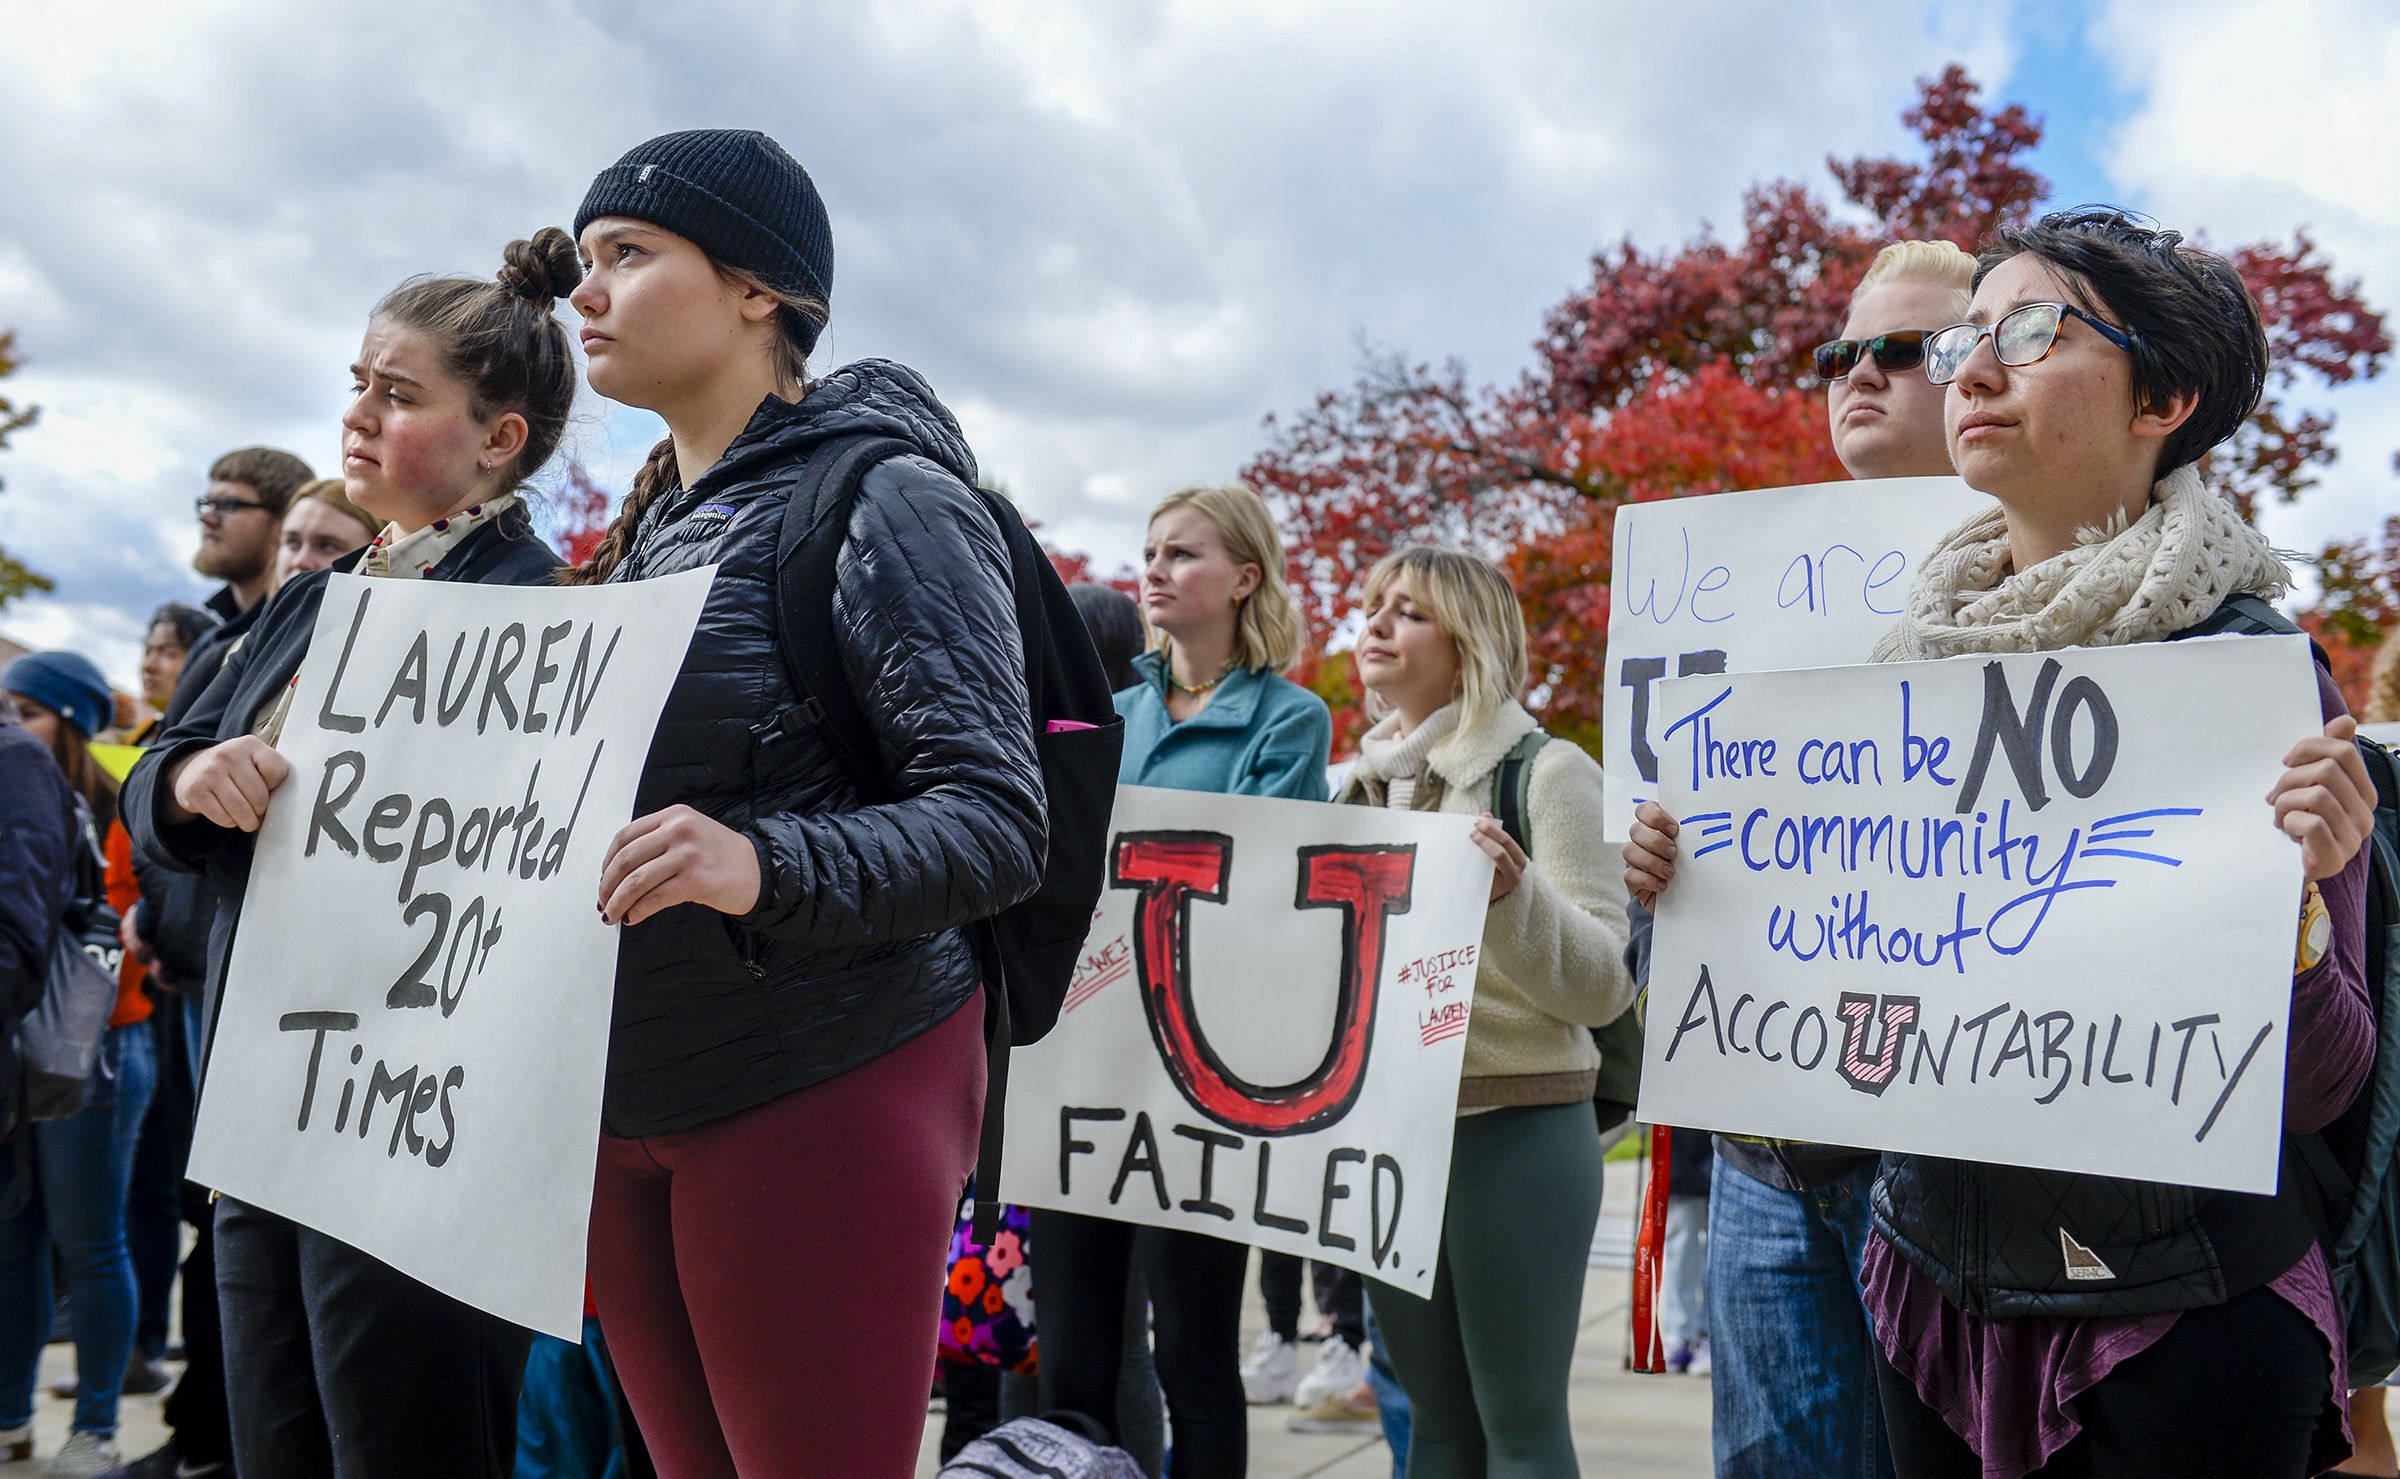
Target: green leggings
(1485,1360)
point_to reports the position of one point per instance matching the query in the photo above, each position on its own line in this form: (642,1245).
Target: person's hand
(676,856)
(1650,853)
(132,940)
(1508,859)
(2324,800)
(227,784)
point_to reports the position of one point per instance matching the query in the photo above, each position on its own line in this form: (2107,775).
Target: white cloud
(2259,117)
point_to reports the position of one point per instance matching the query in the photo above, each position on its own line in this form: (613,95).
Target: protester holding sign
(1794,1355)
(1484,1361)
(75,1171)
(2045,1321)
(1212,712)
(335,1362)
(797,1059)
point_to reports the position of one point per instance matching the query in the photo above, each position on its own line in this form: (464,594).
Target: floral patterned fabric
(987,1307)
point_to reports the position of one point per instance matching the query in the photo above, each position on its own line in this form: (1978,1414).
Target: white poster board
(413,1035)
(1805,577)
(1263,1043)
(2031,910)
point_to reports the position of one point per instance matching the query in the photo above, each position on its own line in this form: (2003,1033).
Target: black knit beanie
(737,195)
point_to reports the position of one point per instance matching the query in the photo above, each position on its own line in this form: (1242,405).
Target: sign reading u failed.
(1264,1039)
(2030,909)
(413,1035)
(1802,577)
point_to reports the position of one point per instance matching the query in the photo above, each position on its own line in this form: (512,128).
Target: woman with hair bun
(336,1363)
(797,1058)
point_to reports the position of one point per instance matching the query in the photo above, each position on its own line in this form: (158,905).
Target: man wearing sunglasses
(1885,414)
(1795,1373)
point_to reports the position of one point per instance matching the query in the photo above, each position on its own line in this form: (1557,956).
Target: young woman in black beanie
(338,1366)
(795,1077)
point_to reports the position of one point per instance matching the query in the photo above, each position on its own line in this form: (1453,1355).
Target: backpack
(1620,1042)
(1028,951)
(1042,1448)
(2351,1187)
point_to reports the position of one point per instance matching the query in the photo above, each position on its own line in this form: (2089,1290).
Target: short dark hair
(2196,328)
(1116,627)
(270,472)
(189,622)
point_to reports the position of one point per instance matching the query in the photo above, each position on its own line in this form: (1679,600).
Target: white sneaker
(16,1444)
(1339,1368)
(85,1454)
(1271,1374)
(1700,1364)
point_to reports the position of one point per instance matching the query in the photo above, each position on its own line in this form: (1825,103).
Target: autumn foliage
(1687,372)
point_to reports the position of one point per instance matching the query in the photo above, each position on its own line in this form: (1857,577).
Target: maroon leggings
(771,1282)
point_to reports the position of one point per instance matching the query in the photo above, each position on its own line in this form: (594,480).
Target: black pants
(1279,1289)
(1081,1264)
(339,1365)
(2234,1390)
(196,1408)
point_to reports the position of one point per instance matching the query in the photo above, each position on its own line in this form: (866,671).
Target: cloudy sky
(1113,234)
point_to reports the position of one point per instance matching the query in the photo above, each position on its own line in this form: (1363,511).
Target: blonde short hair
(1922,261)
(1476,607)
(330,492)
(1267,631)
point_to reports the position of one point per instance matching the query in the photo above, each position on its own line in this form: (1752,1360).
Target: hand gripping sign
(414,1031)
(2029,909)
(1263,1042)
(1802,577)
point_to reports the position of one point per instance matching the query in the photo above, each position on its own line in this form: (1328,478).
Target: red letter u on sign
(1171,869)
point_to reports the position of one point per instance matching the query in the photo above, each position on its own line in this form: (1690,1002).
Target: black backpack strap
(816,520)
(1512,788)
(2246,615)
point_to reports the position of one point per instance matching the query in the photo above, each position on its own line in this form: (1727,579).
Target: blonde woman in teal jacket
(1213,713)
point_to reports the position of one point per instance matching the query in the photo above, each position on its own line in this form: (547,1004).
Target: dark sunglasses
(2022,337)
(1902,349)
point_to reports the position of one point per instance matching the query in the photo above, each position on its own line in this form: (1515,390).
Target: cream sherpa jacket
(1553,958)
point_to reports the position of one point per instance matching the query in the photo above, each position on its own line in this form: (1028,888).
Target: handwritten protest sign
(1263,1042)
(414,1031)
(2029,909)
(1803,577)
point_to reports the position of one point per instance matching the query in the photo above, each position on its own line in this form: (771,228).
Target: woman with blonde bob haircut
(1485,1360)
(1211,712)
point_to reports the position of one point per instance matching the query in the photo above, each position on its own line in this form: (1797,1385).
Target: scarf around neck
(399,556)
(1401,761)
(2126,583)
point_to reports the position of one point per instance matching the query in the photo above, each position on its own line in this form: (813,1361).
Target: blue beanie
(66,682)
(733,192)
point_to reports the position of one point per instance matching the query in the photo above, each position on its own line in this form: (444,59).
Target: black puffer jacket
(855,946)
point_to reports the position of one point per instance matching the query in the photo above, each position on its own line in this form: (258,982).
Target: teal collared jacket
(1261,735)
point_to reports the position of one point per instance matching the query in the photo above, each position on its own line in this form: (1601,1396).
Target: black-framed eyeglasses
(2022,337)
(222,507)
(1901,349)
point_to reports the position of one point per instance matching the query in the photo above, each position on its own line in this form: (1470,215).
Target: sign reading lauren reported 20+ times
(414,1032)
(2029,909)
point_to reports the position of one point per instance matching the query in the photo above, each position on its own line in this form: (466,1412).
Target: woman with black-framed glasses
(2199,1334)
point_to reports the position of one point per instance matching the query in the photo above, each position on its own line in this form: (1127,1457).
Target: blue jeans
(1391,1403)
(1795,1389)
(83,1166)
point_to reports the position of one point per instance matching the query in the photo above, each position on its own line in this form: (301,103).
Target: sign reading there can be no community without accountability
(2030,909)
(1264,1039)
(1803,577)
(414,1032)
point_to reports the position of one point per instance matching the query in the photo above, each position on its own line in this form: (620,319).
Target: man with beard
(241,524)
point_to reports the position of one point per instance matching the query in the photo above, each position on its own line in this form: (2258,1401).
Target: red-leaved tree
(1687,372)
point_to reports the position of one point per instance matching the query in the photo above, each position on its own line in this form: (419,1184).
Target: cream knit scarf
(2172,566)
(1400,761)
